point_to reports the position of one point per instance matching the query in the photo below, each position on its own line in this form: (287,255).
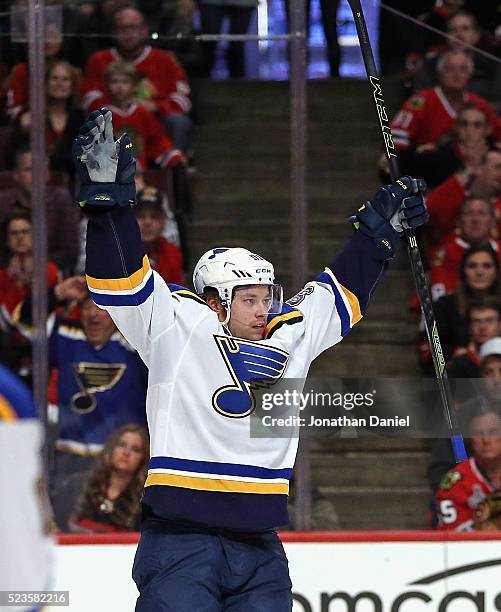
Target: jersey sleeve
(443,204)
(121,281)
(176,95)
(93,85)
(406,123)
(17,92)
(336,299)
(157,144)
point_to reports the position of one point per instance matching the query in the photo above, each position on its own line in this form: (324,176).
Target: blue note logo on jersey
(252,365)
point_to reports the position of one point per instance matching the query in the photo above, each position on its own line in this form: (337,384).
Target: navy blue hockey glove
(105,168)
(392,209)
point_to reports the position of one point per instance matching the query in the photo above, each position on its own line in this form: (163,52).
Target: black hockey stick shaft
(418,273)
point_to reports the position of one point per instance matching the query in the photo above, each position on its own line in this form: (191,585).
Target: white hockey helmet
(225,268)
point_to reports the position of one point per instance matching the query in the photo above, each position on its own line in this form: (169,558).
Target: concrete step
(350,358)
(394,507)
(349,469)
(252,194)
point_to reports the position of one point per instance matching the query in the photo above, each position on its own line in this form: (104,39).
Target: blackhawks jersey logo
(252,365)
(450,479)
(416,103)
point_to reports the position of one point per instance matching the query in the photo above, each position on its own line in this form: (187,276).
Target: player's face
(128,453)
(491,373)
(476,222)
(249,309)
(484,324)
(19,238)
(485,432)
(97,324)
(151,223)
(121,88)
(480,271)
(59,83)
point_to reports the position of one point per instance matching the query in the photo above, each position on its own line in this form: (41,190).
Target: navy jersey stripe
(211,467)
(105,299)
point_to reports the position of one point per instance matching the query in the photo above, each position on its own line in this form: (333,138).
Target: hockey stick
(418,273)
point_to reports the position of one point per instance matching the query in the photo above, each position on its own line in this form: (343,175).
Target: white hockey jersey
(205,466)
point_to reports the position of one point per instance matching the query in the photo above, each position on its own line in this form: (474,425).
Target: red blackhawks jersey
(164,80)
(149,140)
(459,494)
(446,264)
(428,115)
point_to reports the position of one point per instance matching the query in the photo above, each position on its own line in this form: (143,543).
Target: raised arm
(118,272)
(337,298)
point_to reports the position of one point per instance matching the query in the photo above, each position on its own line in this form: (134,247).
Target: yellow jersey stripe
(7,413)
(279,318)
(120,284)
(209,484)
(354,305)
(189,294)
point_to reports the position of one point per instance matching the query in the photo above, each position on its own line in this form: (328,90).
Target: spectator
(17,274)
(464,487)
(476,225)
(239,14)
(164,88)
(479,278)
(172,22)
(485,183)
(488,393)
(98,19)
(101,380)
(437,18)
(151,145)
(111,500)
(428,115)
(464,28)
(165,257)
(18,91)
(63,115)
(469,143)
(484,323)
(61,215)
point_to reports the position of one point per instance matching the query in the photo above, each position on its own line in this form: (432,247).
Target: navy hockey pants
(211,572)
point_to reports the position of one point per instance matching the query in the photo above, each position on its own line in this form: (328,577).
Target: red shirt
(446,264)
(443,205)
(428,115)
(13,293)
(164,80)
(460,492)
(149,140)
(167,260)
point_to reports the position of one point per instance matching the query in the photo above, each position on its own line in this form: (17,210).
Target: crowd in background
(448,131)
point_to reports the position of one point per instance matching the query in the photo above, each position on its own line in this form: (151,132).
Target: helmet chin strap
(227,307)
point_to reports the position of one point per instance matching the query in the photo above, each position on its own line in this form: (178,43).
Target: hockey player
(214,494)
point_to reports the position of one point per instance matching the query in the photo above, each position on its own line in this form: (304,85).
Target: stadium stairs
(241,197)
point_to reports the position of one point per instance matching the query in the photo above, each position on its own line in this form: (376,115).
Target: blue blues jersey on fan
(99,388)
(205,466)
